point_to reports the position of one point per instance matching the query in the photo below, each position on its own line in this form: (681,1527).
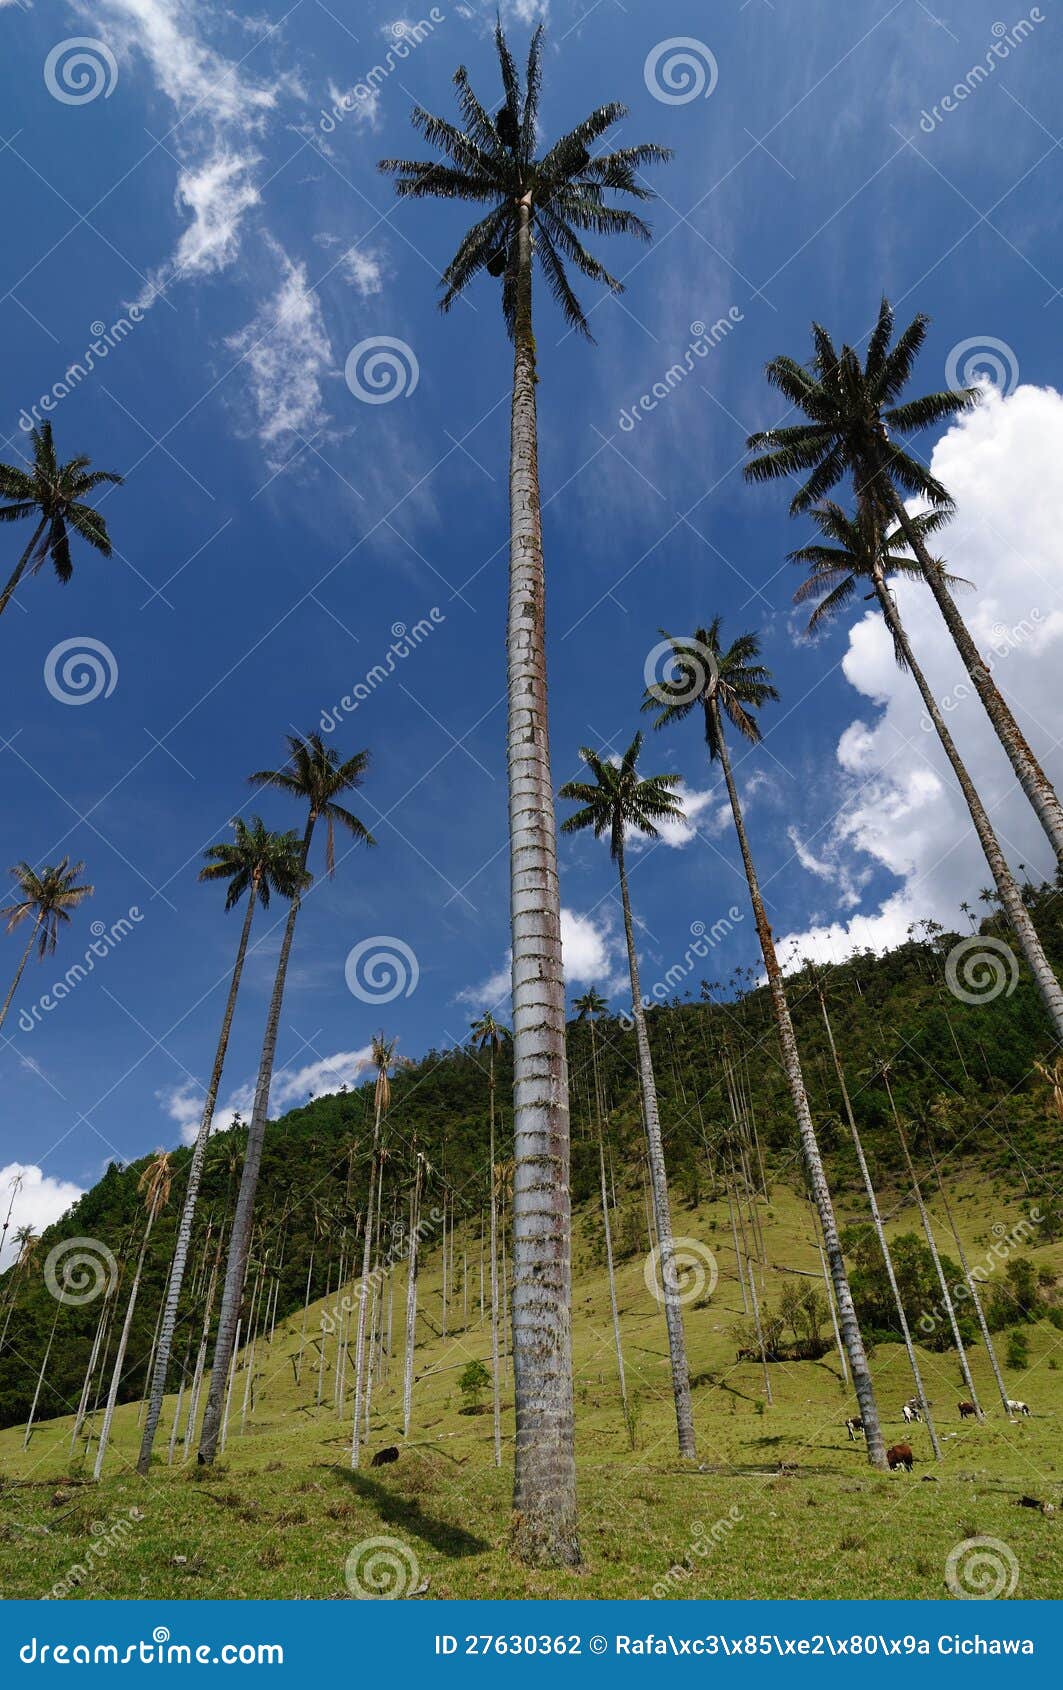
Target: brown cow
(967,1411)
(383,1456)
(900,1456)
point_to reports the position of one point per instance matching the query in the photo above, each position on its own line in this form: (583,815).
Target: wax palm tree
(855,551)
(154,1187)
(535,205)
(316,777)
(54,493)
(590,1008)
(614,802)
(26,1242)
(382,1056)
(257,862)
(489,1034)
(730,685)
(45,898)
(855,416)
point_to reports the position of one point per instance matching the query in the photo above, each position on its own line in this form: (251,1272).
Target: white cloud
(286,353)
(363,267)
(591,953)
(900,807)
(183,1104)
(39,1201)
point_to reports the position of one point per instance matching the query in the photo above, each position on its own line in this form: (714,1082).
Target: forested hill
(962,1073)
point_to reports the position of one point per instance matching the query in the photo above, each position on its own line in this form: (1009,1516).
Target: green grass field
(782,1504)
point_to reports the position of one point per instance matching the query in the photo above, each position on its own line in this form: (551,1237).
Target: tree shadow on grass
(406,1514)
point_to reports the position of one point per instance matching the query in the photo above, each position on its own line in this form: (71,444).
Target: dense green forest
(964,1079)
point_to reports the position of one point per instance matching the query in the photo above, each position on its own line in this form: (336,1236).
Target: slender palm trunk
(195,1174)
(201,1355)
(607,1225)
(123,1343)
(1028,771)
(496,1382)
(40,1378)
(363,1290)
(90,1370)
(411,1298)
(1010,898)
(829,1289)
(306,1307)
(880,1233)
(544,1490)
(854,1344)
(18,972)
(662,1210)
(990,1349)
(738,1253)
(240,1237)
(21,565)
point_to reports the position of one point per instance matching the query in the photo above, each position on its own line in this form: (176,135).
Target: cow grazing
(900,1456)
(854,1425)
(746,1355)
(383,1456)
(967,1411)
(1017,1407)
(911,1410)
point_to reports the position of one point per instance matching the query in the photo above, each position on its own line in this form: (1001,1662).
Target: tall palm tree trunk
(240,1237)
(662,1210)
(411,1299)
(880,1232)
(363,1292)
(40,1378)
(18,972)
(21,565)
(1010,898)
(496,1382)
(123,1344)
(1028,771)
(544,1490)
(195,1174)
(854,1344)
(990,1348)
(607,1225)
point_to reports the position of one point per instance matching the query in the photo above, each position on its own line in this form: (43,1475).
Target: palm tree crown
(617,799)
(54,493)
(47,895)
(315,774)
(854,417)
(861,549)
(705,674)
(256,857)
(489,1034)
(590,1006)
(493,161)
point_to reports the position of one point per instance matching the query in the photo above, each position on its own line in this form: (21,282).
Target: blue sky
(275,529)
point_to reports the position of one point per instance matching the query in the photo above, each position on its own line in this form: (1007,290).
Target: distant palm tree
(382,1057)
(256,862)
(860,552)
(732,683)
(154,1186)
(315,775)
(855,422)
(53,493)
(615,802)
(537,206)
(26,1241)
(46,895)
(489,1034)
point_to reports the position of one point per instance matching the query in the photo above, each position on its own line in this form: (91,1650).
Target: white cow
(1017,1407)
(911,1411)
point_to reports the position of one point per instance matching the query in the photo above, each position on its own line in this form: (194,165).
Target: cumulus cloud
(591,952)
(286,352)
(901,809)
(39,1201)
(183,1104)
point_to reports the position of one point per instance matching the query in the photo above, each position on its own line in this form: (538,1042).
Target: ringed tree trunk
(21,565)
(496,1383)
(363,1289)
(880,1232)
(609,1264)
(240,1236)
(411,1296)
(123,1342)
(1028,771)
(195,1174)
(1014,908)
(662,1211)
(544,1488)
(854,1344)
(18,972)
